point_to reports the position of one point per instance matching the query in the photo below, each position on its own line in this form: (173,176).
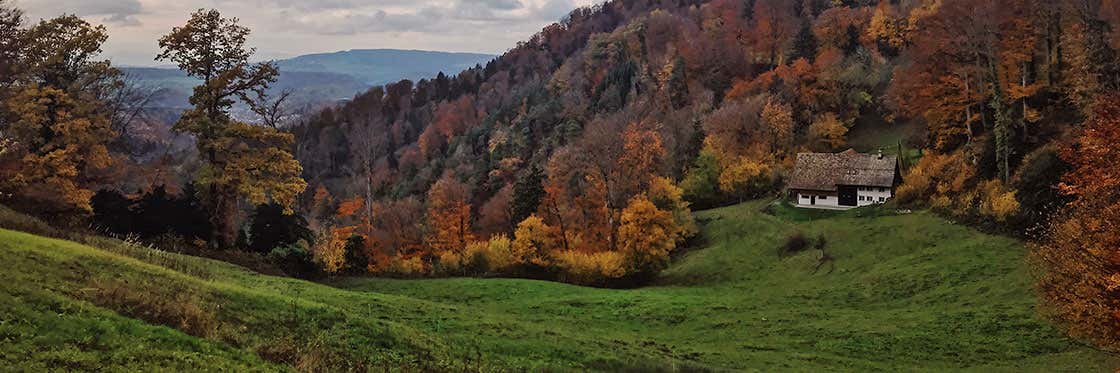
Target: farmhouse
(843,180)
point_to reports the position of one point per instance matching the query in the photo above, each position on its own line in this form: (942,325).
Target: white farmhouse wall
(872,195)
(824,200)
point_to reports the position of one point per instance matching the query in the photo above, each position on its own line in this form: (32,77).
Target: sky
(288,28)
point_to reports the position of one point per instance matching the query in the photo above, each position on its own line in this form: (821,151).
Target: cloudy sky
(286,28)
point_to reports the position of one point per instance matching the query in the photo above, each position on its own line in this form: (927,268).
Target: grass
(905,292)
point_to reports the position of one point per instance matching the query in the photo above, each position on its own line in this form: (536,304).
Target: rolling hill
(906,292)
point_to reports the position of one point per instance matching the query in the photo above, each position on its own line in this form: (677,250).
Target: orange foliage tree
(449,216)
(1081,281)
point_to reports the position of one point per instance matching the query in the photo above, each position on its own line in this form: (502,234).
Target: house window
(881,199)
(824,198)
(861,198)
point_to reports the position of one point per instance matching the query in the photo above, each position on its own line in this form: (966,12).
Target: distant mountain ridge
(380,66)
(322,78)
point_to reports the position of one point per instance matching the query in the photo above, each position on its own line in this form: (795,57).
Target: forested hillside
(571,130)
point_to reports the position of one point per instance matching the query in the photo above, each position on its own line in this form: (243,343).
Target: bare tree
(272,111)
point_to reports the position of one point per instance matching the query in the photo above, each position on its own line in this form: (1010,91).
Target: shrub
(295,260)
(600,268)
(1034,183)
(796,242)
(357,257)
(14,220)
(449,263)
(177,308)
(330,251)
(406,266)
(495,255)
(476,257)
(999,202)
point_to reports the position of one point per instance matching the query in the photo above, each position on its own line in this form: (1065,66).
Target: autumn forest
(588,153)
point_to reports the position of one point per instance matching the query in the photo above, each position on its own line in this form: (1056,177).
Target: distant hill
(380,66)
(321,78)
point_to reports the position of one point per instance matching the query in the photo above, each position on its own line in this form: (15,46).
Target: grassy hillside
(908,292)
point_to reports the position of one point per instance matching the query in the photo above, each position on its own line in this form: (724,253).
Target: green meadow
(897,292)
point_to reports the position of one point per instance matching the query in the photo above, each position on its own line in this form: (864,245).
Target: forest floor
(903,292)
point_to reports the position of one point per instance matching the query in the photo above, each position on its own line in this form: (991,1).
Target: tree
(804,44)
(701,183)
(1081,259)
(63,143)
(527,193)
(533,242)
(496,215)
(449,216)
(777,119)
(112,213)
(395,226)
(56,124)
(11,33)
(828,132)
(773,24)
(330,251)
(240,160)
(272,228)
(646,235)
(674,83)
(669,197)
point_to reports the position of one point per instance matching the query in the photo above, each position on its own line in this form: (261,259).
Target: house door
(847,195)
(813,199)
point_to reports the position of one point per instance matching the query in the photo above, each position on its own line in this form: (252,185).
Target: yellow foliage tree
(330,251)
(646,235)
(533,242)
(828,133)
(998,201)
(667,196)
(62,141)
(744,177)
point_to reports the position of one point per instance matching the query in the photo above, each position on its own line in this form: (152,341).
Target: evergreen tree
(804,44)
(272,228)
(527,193)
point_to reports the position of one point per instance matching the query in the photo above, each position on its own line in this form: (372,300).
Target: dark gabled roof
(824,171)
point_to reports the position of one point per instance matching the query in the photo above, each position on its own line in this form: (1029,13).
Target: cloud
(499,4)
(354,17)
(287,28)
(119,12)
(553,10)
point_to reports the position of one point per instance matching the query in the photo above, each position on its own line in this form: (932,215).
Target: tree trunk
(223,216)
(968,106)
